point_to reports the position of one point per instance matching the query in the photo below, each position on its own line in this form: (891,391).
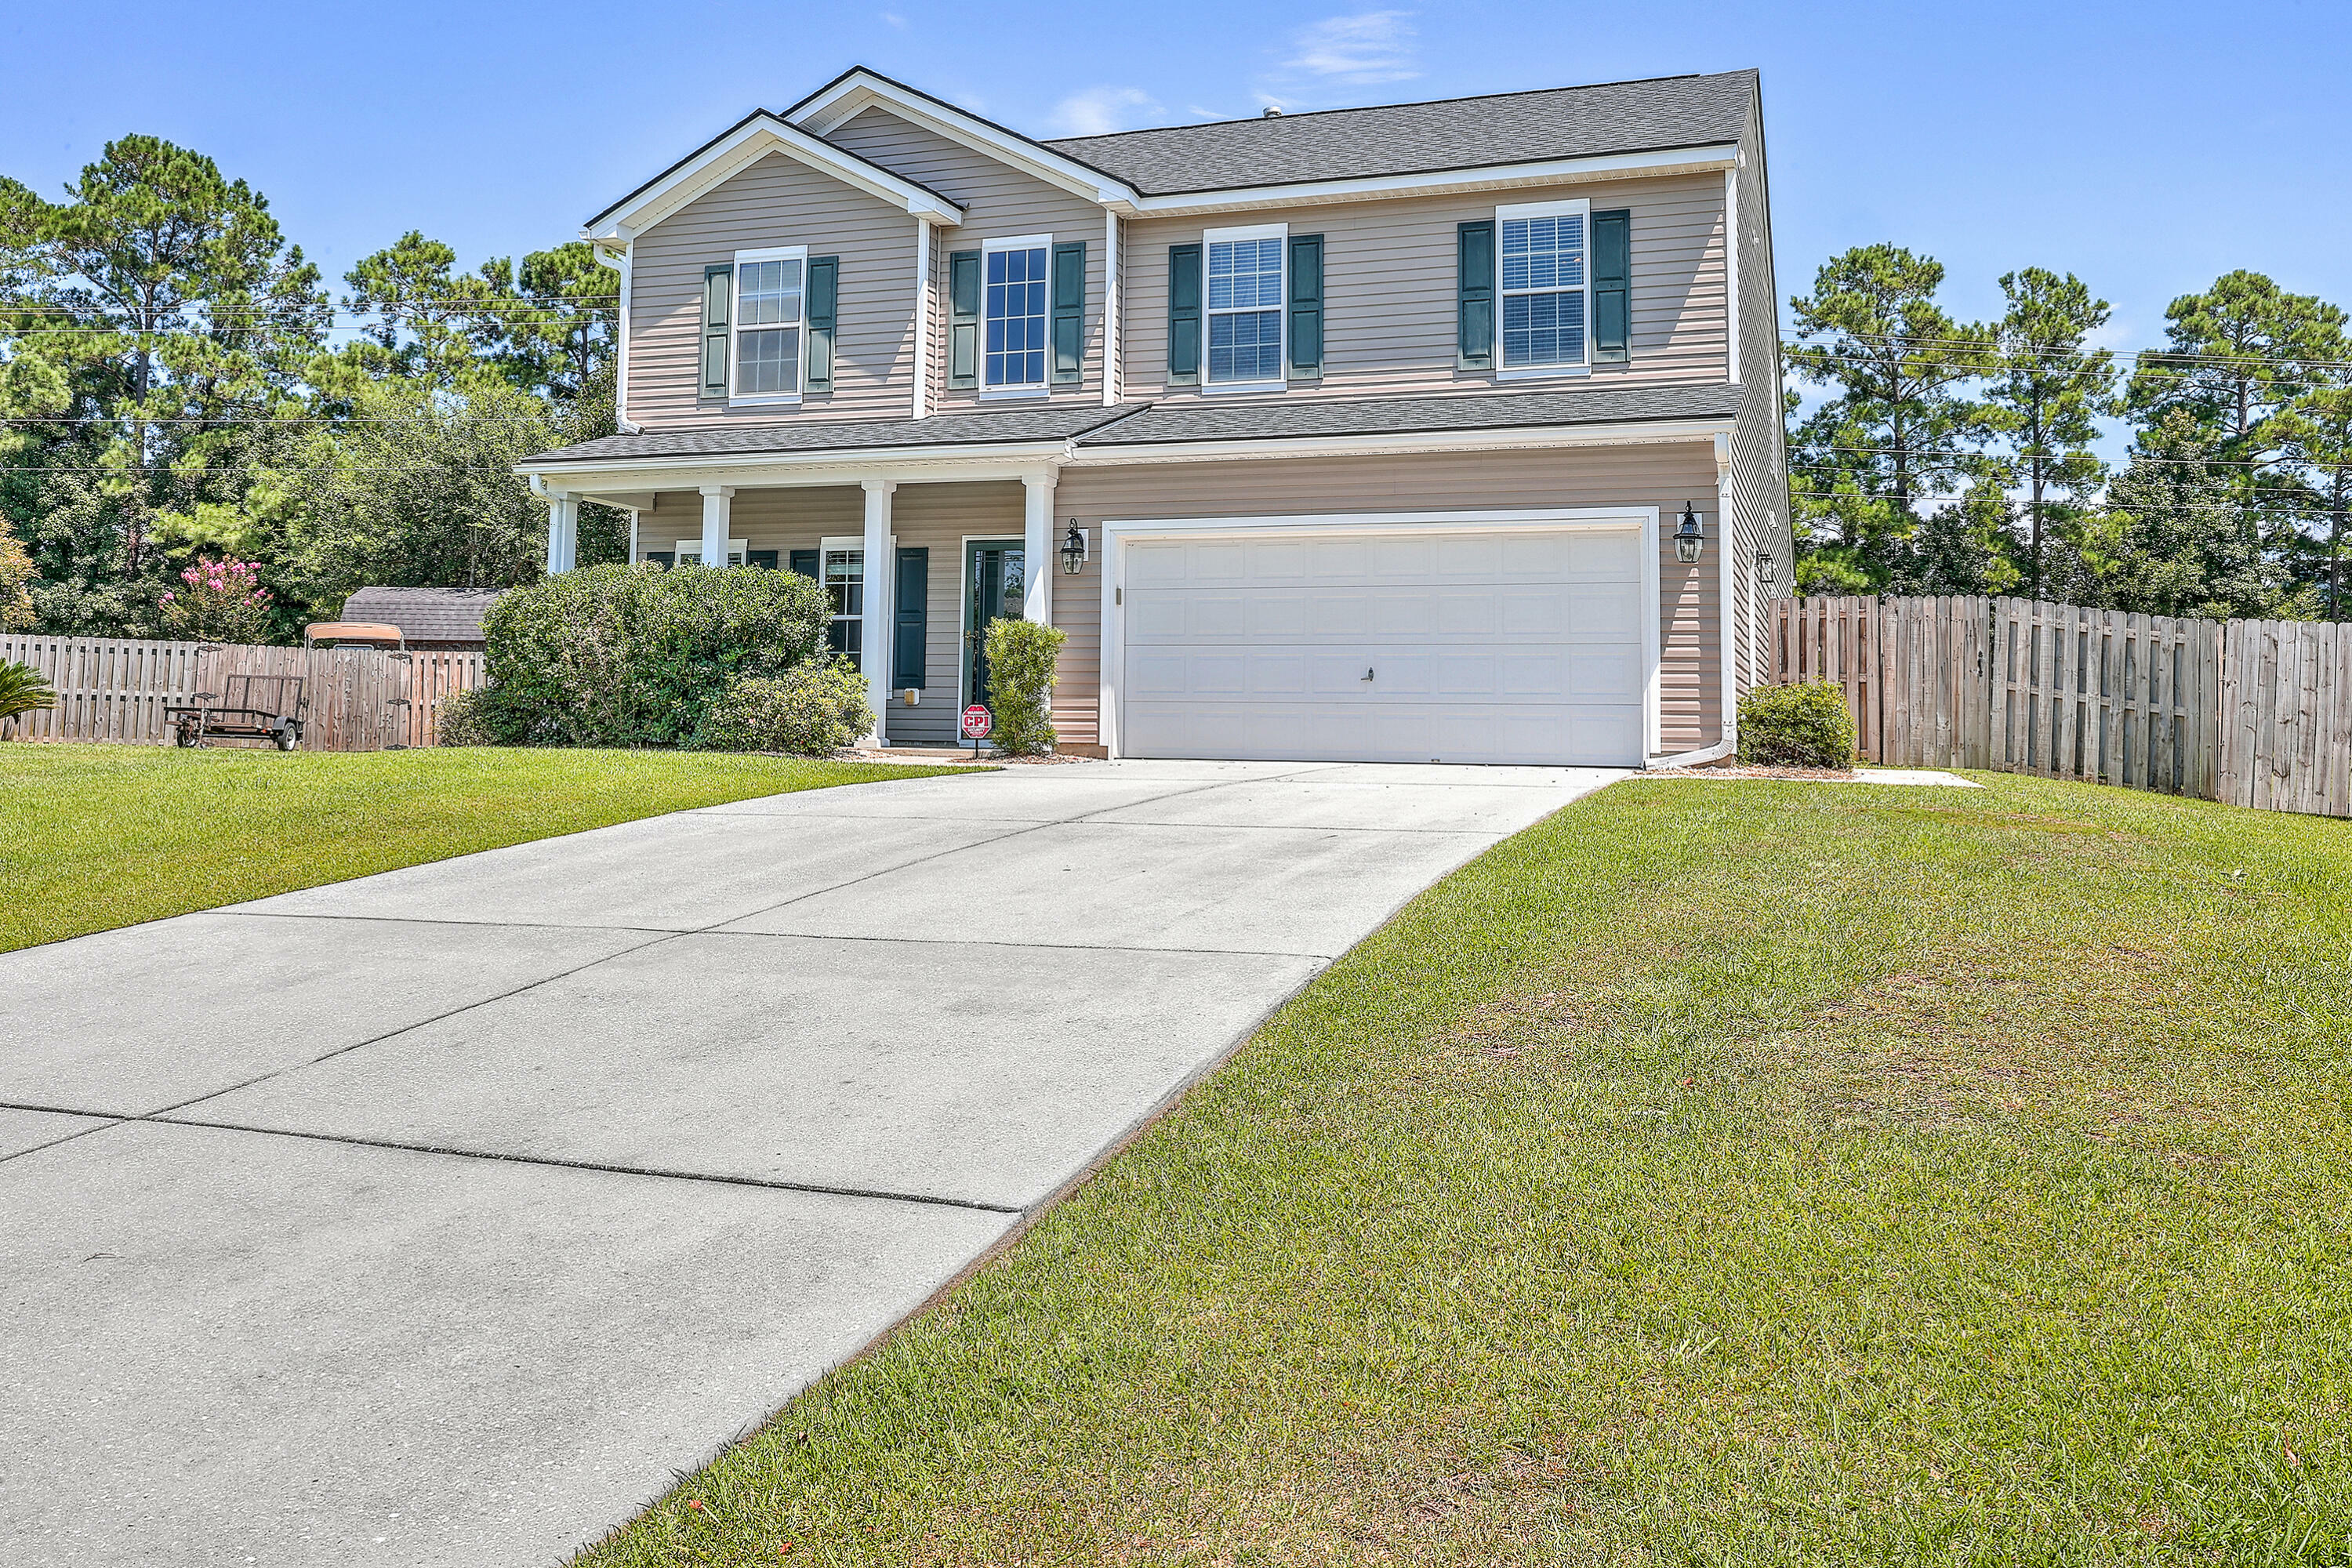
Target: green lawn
(1717,1173)
(97,837)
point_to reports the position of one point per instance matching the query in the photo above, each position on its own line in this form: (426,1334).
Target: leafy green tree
(16,572)
(426,322)
(2234,356)
(2315,437)
(155,325)
(2176,538)
(2045,396)
(1896,427)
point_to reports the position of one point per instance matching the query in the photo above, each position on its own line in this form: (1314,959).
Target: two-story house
(1429,432)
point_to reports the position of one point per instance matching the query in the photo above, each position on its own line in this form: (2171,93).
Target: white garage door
(1522,645)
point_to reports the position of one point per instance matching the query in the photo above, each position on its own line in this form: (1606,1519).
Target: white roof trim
(1625,433)
(756,138)
(860,91)
(824,466)
(1440,182)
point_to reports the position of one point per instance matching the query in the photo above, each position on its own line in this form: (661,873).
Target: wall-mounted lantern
(1767,569)
(1688,541)
(1073,549)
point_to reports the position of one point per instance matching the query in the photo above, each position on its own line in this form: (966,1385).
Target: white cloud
(1099,110)
(895,20)
(1369,46)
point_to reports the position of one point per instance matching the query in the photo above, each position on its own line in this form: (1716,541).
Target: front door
(993,588)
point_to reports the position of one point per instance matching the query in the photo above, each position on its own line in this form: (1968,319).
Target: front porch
(958,553)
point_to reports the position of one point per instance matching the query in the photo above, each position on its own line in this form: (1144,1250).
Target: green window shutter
(824,293)
(1612,281)
(1307,305)
(1184,314)
(766,558)
(1070,324)
(908,615)
(804,562)
(717,299)
(963,319)
(1474,287)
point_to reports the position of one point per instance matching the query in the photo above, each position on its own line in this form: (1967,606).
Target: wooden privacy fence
(2287,716)
(114,689)
(2255,712)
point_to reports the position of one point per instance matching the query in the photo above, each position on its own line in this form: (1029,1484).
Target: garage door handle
(1368,674)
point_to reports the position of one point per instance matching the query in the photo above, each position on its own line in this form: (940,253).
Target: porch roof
(1044,423)
(1284,419)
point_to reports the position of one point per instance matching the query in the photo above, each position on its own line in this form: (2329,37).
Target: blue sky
(2147,147)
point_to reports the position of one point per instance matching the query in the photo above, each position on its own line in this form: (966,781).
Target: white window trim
(1582,207)
(739,552)
(1280,379)
(854,544)
(988,247)
(735,329)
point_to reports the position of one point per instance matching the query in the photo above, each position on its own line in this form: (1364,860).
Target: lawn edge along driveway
(104,835)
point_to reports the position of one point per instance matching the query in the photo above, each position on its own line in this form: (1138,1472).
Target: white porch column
(1038,563)
(562,532)
(718,511)
(880,630)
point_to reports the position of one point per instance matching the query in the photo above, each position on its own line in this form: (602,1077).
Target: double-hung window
(1546,287)
(769,318)
(1012,357)
(843,576)
(1244,305)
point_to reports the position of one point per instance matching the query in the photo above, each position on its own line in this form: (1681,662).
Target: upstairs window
(1244,305)
(1544,285)
(767,320)
(1012,357)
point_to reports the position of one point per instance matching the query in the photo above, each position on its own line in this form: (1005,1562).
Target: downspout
(922,317)
(620,264)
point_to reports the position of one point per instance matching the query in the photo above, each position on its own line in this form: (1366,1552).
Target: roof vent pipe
(1272,111)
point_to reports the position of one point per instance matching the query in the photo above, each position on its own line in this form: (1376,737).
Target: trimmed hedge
(812,709)
(1020,659)
(635,656)
(1796,726)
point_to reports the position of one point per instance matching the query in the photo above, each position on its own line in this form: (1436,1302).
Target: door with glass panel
(994,584)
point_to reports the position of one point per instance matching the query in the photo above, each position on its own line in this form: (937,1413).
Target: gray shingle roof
(424,614)
(1278,418)
(1050,422)
(1416,138)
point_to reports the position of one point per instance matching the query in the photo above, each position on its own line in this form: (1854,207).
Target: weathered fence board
(2286,712)
(114,689)
(1834,640)
(430,677)
(2258,713)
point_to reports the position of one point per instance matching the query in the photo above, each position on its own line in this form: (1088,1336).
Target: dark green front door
(993,587)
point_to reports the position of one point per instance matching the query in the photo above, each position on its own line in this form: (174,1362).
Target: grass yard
(1720,1173)
(97,837)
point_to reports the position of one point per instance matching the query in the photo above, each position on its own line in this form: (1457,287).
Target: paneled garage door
(1519,646)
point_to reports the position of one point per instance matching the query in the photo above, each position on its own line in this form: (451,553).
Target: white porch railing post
(879,633)
(1037,547)
(562,532)
(718,511)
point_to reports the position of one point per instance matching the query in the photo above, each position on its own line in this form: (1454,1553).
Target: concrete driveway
(441,1216)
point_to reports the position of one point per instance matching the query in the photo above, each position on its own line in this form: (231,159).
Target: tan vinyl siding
(932,517)
(1000,203)
(775,202)
(1758,480)
(1662,476)
(1389,289)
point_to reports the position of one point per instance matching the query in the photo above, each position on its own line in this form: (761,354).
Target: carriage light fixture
(1767,569)
(1688,541)
(1073,549)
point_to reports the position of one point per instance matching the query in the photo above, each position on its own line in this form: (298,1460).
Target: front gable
(755,137)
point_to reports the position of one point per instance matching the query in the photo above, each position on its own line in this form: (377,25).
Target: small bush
(810,710)
(1020,657)
(23,689)
(622,655)
(1798,726)
(464,718)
